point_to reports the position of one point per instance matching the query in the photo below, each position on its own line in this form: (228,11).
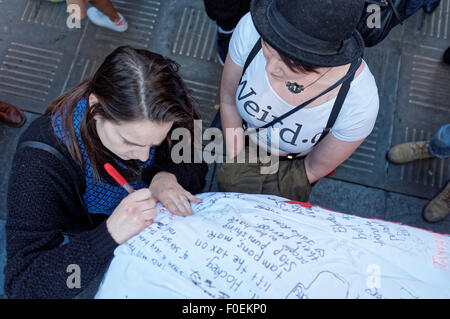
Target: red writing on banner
(441,257)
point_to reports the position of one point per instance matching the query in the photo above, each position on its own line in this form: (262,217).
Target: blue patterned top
(99,198)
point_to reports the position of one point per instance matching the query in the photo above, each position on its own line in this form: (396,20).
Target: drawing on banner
(314,289)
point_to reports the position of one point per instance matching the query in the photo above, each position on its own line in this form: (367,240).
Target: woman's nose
(272,66)
(144,154)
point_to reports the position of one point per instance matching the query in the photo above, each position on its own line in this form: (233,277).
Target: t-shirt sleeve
(243,39)
(358,120)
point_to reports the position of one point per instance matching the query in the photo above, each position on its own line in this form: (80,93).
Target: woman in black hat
(309,52)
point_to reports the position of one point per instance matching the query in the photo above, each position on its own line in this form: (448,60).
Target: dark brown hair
(294,64)
(130,85)
(297,66)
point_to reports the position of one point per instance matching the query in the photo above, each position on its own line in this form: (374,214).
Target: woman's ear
(92,99)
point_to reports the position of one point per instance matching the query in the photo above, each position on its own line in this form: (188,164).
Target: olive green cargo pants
(289,181)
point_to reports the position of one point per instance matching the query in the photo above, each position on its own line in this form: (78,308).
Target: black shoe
(223,40)
(429,8)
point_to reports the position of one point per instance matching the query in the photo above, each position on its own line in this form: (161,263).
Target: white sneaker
(102,20)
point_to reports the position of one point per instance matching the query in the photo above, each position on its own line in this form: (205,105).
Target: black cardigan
(43,206)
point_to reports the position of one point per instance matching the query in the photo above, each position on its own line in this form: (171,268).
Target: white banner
(259,246)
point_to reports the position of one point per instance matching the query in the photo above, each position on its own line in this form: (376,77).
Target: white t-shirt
(258,103)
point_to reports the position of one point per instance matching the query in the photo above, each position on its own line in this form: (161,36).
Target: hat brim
(353,50)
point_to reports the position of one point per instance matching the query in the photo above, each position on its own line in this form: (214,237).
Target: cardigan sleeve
(191,176)
(40,202)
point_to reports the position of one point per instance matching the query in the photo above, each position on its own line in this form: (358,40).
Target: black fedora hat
(316,32)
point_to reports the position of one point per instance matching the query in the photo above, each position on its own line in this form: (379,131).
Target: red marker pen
(118,178)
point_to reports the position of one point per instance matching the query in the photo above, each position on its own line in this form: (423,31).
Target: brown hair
(130,85)
(294,64)
(297,66)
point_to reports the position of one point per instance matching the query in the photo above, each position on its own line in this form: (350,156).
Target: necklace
(296,88)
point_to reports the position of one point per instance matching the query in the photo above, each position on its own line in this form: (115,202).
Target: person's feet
(439,207)
(408,152)
(429,8)
(102,20)
(11,115)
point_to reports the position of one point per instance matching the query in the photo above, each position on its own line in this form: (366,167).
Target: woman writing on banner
(124,116)
(305,48)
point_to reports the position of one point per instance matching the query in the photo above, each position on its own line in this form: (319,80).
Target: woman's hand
(134,213)
(173,196)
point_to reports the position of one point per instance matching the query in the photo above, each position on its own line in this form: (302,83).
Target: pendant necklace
(296,88)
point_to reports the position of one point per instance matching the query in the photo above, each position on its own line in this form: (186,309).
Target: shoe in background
(439,207)
(100,19)
(408,152)
(11,115)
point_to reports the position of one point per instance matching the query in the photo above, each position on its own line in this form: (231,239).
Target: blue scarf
(99,198)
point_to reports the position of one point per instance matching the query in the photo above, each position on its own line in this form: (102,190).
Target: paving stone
(408,210)
(8,142)
(367,165)
(424,107)
(349,198)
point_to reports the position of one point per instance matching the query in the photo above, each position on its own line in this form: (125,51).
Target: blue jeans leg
(440,143)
